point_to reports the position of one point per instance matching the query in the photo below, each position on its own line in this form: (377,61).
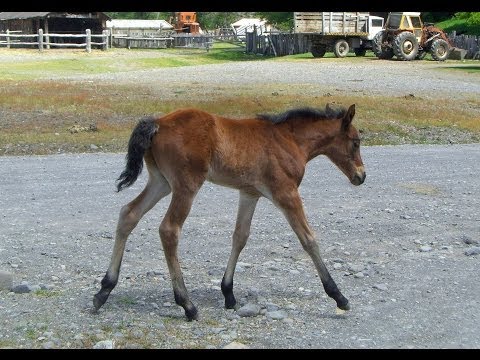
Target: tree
(280,20)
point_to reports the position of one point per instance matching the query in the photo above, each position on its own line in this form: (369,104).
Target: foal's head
(344,150)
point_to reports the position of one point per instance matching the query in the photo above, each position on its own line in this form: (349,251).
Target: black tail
(139,142)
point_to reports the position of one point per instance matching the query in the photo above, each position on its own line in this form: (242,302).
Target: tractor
(407,37)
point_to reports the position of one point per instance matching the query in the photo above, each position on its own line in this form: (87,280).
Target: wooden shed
(53,22)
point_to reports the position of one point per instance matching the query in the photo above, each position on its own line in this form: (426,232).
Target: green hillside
(466,24)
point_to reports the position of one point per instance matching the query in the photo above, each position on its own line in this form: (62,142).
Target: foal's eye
(356,144)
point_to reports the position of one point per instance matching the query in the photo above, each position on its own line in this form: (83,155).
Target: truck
(340,32)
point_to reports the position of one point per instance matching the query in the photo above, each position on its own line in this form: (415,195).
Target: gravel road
(372,77)
(403,247)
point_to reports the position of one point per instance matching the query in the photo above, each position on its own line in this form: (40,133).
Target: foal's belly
(239,180)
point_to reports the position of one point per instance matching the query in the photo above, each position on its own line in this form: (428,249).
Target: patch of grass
(7,344)
(422,189)
(113,60)
(126,300)
(47,293)
(404,120)
(470,69)
(31,334)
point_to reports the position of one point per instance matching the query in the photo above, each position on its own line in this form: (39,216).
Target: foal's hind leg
(170,228)
(157,187)
(246,208)
(291,205)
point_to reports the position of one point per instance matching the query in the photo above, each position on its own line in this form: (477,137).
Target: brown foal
(262,156)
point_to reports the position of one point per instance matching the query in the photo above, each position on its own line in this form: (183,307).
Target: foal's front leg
(291,205)
(246,208)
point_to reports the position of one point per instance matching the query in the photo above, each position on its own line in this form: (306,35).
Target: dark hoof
(191,314)
(98,301)
(345,307)
(231,303)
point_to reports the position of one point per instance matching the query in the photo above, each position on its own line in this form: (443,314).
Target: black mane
(304,113)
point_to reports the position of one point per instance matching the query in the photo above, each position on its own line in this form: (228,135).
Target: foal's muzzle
(358,178)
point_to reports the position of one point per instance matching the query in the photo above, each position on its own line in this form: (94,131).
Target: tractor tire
(405,46)
(318,51)
(341,48)
(360,51)
(381,51)
(440,50)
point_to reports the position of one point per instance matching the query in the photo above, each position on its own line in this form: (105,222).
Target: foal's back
(230,152)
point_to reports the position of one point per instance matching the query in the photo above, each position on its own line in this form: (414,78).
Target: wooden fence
(41,40)
(281,44)
(45,41)
(471,43)
(277,44)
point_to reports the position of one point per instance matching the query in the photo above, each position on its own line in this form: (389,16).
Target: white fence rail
(41,40)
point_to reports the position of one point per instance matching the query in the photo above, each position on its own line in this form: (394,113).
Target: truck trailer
(340,32)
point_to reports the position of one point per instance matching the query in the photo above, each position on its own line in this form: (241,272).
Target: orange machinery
(186,22)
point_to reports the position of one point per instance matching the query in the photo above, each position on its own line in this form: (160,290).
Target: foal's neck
(313,137)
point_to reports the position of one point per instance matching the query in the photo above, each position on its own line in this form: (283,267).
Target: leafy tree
(280,20)
(471,18)
(436,16)
(215,20)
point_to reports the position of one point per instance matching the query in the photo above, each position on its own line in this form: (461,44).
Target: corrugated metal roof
(22,15)
(139,24)
(36,15)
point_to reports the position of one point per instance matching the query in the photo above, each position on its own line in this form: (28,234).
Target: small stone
(6,280)
(469,241)
(405,217)
(381,287)
(104,344)
(272,306)
(93,147)
(21,289)
(355,268)
(359,275)
(277,315)
(167,304)
(425,248)
(35,288)
(337,266)
(249,310)
(48,345)
(217,330)
(473,251)
(244,264)
(235,345)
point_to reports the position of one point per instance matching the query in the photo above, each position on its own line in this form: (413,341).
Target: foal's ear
(348,117)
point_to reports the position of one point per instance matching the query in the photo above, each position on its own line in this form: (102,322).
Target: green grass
(470,69)
(47,293)
(115,60)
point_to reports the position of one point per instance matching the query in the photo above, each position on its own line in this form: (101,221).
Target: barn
(53,22)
